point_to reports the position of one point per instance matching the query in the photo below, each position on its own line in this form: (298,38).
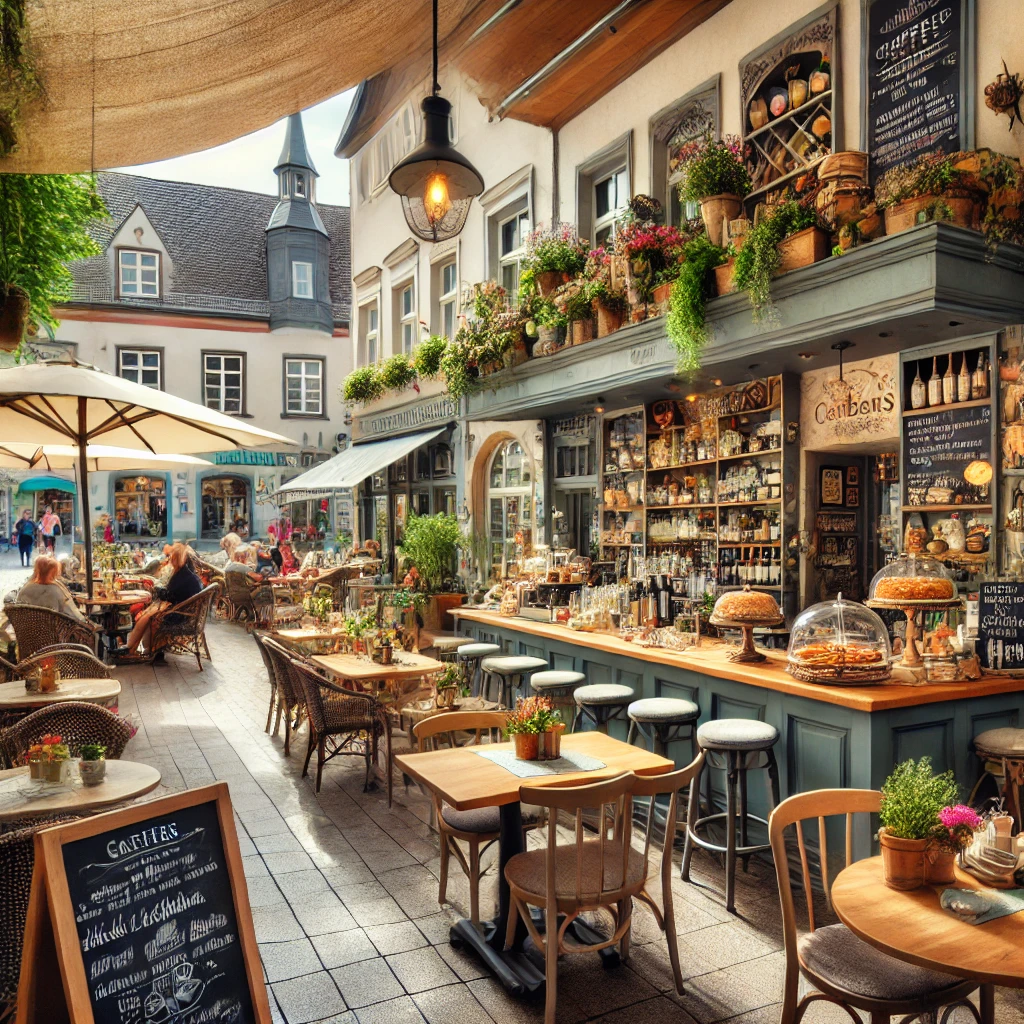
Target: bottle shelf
(974,403)
(748,412)
(945,508)
(750,504)
(750,544)
(752,455)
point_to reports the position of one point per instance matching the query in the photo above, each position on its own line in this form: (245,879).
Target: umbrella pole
(83,476)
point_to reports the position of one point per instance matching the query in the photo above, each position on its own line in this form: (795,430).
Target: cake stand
(747,653)
(911,656)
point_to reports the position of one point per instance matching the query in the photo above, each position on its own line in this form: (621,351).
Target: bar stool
(558,684)
(447,647)
(469,657)
(1004,747)
(601,703)
(736,745)
(508,672)
(663,720)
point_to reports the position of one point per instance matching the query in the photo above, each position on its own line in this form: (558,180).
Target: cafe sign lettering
(863,406)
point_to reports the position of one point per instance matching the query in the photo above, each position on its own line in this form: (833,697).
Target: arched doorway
(226,501)
(509,503)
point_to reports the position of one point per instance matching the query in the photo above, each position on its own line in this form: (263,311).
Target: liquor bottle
(935,384)
(963,382)
(949,383)
(979,382)
(919,390)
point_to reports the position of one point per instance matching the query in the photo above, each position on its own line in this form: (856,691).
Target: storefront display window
(510,504)
(140,506)
(225,506)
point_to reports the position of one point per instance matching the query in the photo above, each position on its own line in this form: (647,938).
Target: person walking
(26,531)
(49,525)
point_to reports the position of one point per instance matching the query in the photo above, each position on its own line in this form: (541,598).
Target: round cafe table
(20,797)
(911,926)
(92,691)
(110,607)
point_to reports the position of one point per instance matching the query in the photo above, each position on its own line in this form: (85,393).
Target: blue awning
(47,483)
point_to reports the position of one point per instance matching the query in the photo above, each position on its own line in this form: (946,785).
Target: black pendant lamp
(436,183)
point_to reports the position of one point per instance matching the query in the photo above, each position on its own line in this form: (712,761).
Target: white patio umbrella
(100,457)
(66,402)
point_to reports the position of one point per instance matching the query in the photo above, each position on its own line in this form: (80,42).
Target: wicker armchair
(73,662)
(253,600)
(259,636)
(76,721)
(17,860)
(206,572)
(341,722)
(181,628)
(276,606)
(36,627)
(290,698)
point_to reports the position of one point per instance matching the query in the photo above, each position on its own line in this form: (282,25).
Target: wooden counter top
(770,674)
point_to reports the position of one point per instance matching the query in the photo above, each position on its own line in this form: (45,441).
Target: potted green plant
(532,717)
(653,255)
(396,373)
(93,766)
(362,385)
(551,325)
(49,760)
(553,257)
(458,363)
(449,686)
(932,188)
(714,175)
(685,324)
(426,358)
(912,797)
(431,544)
(610,305)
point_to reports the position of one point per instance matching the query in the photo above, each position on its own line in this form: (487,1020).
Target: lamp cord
(437,87)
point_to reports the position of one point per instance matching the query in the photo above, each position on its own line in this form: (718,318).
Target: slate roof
(215,238)
(294,152)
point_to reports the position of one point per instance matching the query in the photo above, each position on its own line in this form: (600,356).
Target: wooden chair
(76,721)
(477,828)
(588,874)
(338,719)
(840,967)
(36,627)
(289,699)
(181,628)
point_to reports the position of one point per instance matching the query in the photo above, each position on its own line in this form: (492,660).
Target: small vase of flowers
(449,687)
(93,766)
(532,718)
(49,760)
(954,832)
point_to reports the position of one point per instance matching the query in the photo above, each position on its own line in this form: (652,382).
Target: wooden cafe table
(465,780)
(913,927)
(406,675)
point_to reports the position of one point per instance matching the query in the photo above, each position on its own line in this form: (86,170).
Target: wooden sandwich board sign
(141,916)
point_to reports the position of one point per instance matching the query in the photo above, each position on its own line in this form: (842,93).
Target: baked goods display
(746,606)
(914,588)
(841,643)
(829,653)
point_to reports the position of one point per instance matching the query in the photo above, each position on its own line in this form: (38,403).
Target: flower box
(907,213)
(802,249)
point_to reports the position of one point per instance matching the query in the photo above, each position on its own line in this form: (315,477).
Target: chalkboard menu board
(1001,625)
(915,80)
(940,444)
(156,922)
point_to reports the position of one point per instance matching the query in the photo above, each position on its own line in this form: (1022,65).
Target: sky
(248,162)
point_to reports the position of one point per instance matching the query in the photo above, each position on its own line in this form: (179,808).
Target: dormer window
(138,274)
(300,184)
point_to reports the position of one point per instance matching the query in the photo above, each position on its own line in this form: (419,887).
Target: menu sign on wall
(1001,625)
(915,80)
(939,445)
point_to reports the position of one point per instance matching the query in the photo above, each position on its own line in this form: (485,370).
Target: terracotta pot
(662,294)
(549,745)
(582,331)
(902,861)
(724,277)
(802,249)
(608,320)
(549,280)
(910,212)
(715,210)
(939,866)
(14,310)
(527,744)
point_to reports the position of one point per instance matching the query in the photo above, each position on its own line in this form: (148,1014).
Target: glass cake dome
(839,640)
(912,578)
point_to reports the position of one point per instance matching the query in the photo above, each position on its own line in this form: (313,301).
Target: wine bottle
(935,384)
(979,382)
(963,381)
(918,390)
(949,383)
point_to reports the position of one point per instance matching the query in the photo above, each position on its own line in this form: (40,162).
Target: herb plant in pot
(93,766)
(431,544)
(553,257)
(912,798)
(714,175)
(550,328)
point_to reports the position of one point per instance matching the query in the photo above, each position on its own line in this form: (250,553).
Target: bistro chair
(243,597)
(260,636)
(840,967)
(73,661)
(75,721)
(341,722)
(290,699)
(181,629)
(479,827)
(587,874)
(36,627)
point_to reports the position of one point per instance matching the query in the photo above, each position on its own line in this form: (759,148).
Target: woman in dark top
(183,584)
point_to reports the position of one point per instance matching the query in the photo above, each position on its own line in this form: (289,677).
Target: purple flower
(959,815)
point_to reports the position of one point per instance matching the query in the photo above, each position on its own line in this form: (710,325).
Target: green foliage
(759,258)
(713,168)
(426,360)
(18,78)
(488,298)
(912,798)
(92,751)
(558,249)
(396,373)
(44,222)
(685,323)
(431,544)
(549,315)
(928,176)
(362,385)
(456,369)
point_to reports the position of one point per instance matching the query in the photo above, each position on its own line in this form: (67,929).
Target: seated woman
(44,589)
(244,561)
(182,585)
(265,564)
(288,563)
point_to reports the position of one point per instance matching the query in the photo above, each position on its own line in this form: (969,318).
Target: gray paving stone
(395,1011)
(313,997)
(421,969)
(370,981)
(283,960)
(276,924)
(453,1003)
(396,938)
(338,949)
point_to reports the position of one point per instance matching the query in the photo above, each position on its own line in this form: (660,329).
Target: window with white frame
(224,381)
(512,233)
(611,196)
(406,318)
(303,387)
(141,366)
(447,300)
(370,321)
(302,280)
(138,273)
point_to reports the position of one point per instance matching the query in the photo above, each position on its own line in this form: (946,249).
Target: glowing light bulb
(436,201)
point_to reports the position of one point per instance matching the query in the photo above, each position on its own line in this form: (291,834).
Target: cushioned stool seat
(737,734)
(837,956)
(661,709)
(555,679)
(509,670)
(447,646)
(663,720)
(1001,742)
(601,703)
(1005,745)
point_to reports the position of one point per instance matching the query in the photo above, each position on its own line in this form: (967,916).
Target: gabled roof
(294,152)
(215,238)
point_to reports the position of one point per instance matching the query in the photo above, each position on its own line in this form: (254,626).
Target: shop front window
(225,506)
(510,504)
(140,506)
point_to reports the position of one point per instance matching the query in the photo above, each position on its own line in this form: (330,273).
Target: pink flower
(959,815)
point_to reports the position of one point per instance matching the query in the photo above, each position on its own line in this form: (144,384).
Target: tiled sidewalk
(344,891)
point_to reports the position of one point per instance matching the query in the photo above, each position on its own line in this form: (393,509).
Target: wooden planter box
(906,214)
(435,614)
(802,249)
(724,275)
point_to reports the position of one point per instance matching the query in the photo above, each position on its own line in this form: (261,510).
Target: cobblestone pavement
(344,890)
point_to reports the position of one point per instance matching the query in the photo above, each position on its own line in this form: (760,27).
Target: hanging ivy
(18,78)
(685,323)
